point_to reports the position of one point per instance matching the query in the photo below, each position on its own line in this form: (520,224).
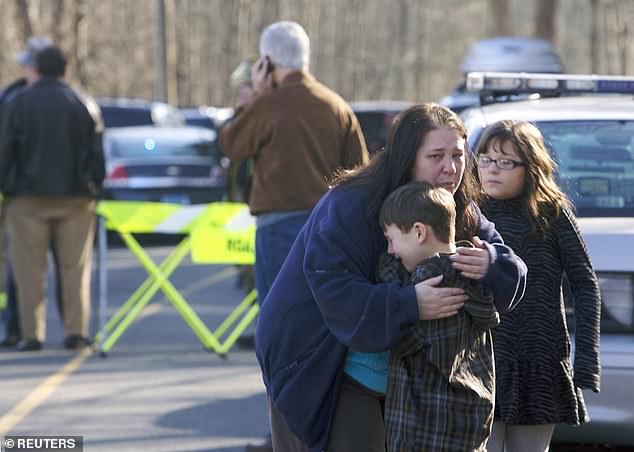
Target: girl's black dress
(536,381)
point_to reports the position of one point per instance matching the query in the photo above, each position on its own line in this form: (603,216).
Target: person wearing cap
(239,182)
(239,173)
(51,171)
(10,317)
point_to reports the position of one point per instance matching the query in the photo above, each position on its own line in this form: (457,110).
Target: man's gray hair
(286,44)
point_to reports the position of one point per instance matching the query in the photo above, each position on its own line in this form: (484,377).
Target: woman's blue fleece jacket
(325,299)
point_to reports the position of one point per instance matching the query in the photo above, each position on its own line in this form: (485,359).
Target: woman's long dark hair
(393,167)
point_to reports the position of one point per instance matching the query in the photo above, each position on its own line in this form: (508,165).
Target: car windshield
(375,126)
(148,146)
(596,164)
(125,117)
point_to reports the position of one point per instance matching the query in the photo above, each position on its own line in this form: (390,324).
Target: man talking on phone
(298,133)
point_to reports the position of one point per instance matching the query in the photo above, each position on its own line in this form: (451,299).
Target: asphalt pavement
(157,389)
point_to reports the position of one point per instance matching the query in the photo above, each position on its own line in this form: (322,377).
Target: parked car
(209,117)
(591,137)
(376,119)
(125,112)
(503,54)
(164,164)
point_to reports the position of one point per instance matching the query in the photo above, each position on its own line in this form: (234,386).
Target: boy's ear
(421,231)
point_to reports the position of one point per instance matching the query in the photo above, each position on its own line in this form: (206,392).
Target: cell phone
(269,65)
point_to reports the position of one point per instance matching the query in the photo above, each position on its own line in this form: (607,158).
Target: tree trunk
(75,60)
(57,20)
(500,12)
(594,36)
(545,19)
(22,18)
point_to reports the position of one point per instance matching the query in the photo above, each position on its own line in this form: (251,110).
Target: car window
(376,126)
(596,164)
(147,146)
(125,117)
(596,170)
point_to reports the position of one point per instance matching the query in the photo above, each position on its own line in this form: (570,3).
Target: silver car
(164,164)
(591,137)
(503,54)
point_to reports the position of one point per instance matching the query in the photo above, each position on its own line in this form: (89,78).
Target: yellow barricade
(218,233)
(225,233)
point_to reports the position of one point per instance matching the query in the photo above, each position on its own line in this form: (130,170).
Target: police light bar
(510,83)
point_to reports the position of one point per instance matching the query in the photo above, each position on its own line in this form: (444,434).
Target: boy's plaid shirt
(441,379)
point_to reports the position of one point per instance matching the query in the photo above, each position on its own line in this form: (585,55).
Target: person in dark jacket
(537,384)
(10,317)
(326,298)
(51,170)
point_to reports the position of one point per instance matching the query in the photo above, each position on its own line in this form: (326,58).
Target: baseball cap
(33,45)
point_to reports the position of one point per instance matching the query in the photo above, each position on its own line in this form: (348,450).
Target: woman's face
(502,183)
(441,159)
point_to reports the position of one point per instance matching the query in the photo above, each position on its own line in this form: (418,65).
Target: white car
(591,137)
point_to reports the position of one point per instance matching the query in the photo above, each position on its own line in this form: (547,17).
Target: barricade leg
(139,217)
(157,279)
(205,336)
(248,301)
(167,266)
(249,304)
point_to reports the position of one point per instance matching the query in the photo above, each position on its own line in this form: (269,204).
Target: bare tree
(22,19)
(500,13)
(57,20)
(175,51)
(594,36)
(622,37)
(75,62)
(545,19)
(371,49)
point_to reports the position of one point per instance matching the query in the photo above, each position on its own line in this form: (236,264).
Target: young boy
(441,380)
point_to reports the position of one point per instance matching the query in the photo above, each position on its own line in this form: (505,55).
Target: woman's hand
(438,302)
(472,262)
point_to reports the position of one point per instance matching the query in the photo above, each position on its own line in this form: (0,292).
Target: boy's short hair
(421,202)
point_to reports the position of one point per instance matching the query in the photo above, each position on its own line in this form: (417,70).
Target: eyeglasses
(504,164)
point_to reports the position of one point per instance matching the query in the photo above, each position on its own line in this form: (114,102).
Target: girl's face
(501,183)
(441,159)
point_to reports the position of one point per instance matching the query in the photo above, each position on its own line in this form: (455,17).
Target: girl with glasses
(537,385)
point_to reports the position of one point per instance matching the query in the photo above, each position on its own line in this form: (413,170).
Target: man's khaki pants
(68,224)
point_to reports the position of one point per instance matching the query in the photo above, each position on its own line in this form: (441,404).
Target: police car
(588,125)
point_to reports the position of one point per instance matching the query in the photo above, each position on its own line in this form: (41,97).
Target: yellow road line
(41,393)
(46,388)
